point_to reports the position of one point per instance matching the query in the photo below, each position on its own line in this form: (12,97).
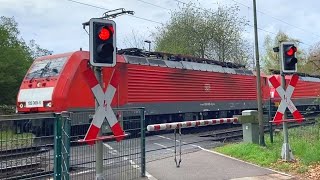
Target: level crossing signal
(102,42)
(288,57)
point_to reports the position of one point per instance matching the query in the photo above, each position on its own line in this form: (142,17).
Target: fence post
(66,141)
(143,143)
(270,123)
(57,147)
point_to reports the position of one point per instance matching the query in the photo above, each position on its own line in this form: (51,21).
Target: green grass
(10,140)
(304,142)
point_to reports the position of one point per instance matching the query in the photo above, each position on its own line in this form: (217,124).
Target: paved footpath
(208,165)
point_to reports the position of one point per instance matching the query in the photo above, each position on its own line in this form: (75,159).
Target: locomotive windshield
(46,68)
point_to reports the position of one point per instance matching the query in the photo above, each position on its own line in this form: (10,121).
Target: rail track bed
(236,133)
(16,163)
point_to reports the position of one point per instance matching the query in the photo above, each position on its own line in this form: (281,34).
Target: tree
(204,33)
(270,60)
(36,51)
(15,59)
(313,61)
(135,40)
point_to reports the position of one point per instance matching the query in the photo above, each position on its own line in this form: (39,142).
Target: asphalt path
(163,146)
(124,158)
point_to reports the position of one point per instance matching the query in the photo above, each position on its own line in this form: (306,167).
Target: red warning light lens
(111,29)
(291,51)
(104,34)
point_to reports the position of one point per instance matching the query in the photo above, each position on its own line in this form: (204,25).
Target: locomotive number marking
(34,104)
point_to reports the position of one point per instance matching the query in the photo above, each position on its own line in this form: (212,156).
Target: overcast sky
(56,24)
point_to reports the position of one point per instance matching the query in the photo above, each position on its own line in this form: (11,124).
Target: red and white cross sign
(104,109)
(285,99)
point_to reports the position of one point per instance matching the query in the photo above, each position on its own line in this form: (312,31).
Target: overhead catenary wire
(259,28)
(157,22)
(155,5)
(278,19)
(102,8)
(206,10)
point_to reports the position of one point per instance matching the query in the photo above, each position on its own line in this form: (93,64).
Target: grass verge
(10,140)
(304,142)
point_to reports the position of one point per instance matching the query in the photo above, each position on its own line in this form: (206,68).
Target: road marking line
(108,146)
(132,163)
(83,172)
(163,137)
(169,149)
(176,141)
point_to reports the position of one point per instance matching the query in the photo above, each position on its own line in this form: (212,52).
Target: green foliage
(304,143)
(5,109)
(36,51)
(10,140)
(204,33)
(15,59)
(251,152)
(313,64)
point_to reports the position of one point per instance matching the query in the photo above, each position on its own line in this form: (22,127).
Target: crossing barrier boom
(189,124)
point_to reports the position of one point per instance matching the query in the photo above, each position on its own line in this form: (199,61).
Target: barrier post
(143,143)
(270,123)
(175,146)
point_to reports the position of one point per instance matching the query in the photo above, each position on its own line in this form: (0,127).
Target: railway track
(236,133)
(33,161)
(23,162)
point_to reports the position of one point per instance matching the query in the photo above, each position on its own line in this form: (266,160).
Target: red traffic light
(105,33)
(291,51)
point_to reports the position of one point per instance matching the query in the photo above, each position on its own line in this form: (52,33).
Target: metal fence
(121,160)
(46,146)
(62,147)
(31,146)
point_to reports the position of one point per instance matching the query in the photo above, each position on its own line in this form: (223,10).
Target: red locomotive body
(168,89)
(163,87)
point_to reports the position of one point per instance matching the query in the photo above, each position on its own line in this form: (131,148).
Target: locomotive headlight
(38,84)
(21,105)
(48,104)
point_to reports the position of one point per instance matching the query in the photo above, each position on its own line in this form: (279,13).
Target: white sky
(56,24)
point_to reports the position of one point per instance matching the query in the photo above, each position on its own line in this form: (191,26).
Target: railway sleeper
(22,154)
(18,171)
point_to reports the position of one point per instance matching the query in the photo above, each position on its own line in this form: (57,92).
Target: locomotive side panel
(305,94)
(169,90)
(306,89)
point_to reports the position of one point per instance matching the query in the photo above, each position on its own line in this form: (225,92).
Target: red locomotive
(171,88)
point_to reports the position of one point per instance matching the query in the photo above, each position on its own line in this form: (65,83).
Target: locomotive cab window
(46,68)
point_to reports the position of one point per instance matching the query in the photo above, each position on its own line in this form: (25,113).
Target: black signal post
(102,42)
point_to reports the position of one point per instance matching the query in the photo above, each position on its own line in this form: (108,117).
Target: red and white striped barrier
(285,99)
(189,124)
(104,109)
